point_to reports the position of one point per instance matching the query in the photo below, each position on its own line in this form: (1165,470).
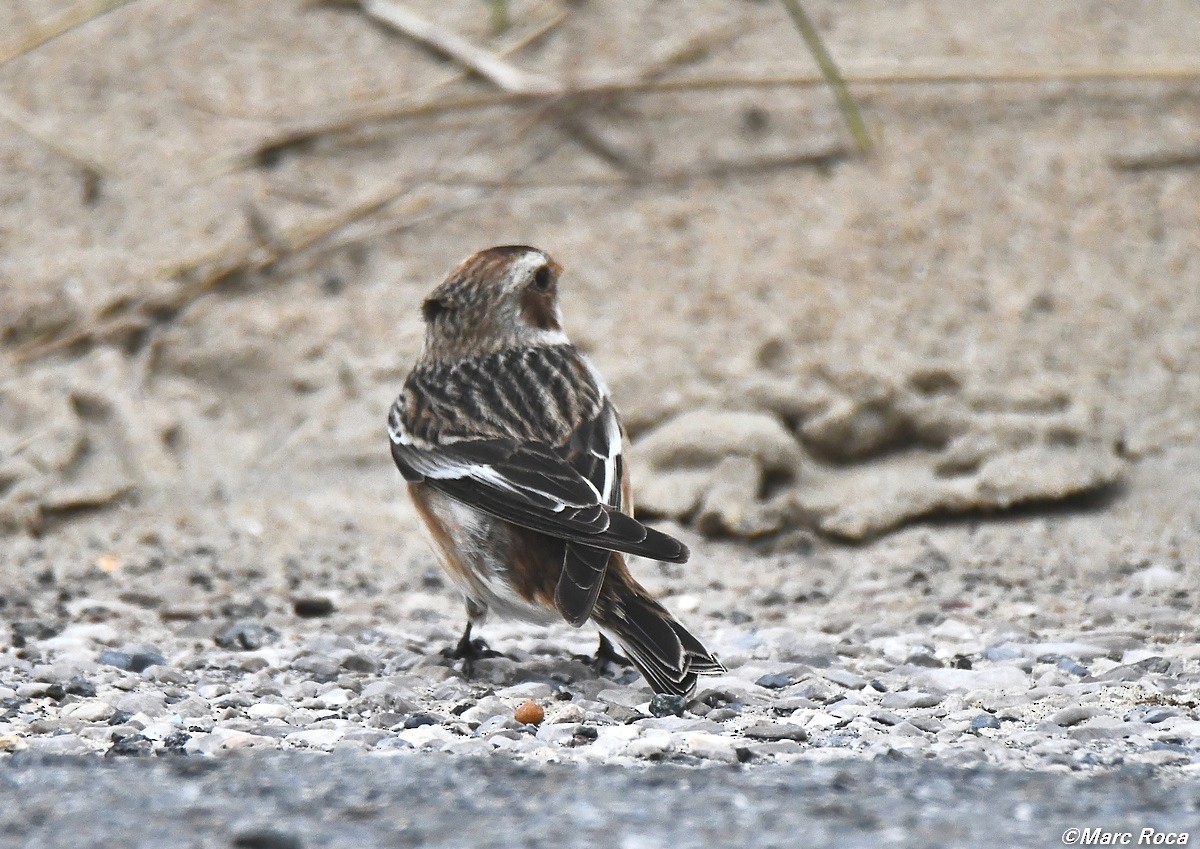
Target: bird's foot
(607,654)
(469,651)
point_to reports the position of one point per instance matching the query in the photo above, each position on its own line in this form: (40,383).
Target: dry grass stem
(1157,160)
(504,75)
(270,148)
(28,123)
(70,19)
(128,317)
(829,70)
(564,112)
(408,107)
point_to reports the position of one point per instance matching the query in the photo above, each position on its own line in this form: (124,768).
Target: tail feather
(668,655)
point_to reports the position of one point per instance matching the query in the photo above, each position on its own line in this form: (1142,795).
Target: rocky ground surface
(929,421)
(214,671)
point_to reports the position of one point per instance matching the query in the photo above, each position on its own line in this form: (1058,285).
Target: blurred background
(950,368)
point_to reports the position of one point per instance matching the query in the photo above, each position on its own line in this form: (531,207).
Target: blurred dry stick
(297,136)
(91,164)
(193,278)
(939,73)
(68,20)
(504,75)
(1157,160)
(829,70)
(510,79)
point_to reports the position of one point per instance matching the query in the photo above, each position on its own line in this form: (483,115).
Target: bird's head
(502,297)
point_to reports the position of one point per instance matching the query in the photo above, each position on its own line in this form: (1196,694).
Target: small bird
(514,457)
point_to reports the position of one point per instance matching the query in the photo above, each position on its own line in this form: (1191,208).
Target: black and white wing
(529,484)
(595,452)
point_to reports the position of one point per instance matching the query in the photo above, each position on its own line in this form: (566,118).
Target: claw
(469,651)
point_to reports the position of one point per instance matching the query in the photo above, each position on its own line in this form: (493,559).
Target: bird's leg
(607,653)
(468,650)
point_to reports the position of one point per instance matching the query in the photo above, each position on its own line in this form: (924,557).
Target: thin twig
(67,21)
(201,275)
(32,126)
(408,108)
(1157,160)
(270,149)
(829,70)
(504,75)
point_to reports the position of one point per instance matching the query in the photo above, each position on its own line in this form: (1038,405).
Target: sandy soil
(989,312)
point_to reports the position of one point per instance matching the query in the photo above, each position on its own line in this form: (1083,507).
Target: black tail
(667,654)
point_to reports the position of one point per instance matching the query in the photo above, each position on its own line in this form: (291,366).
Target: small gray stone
(1073,715)
(1156,715)
(244,636)
(318,667)
(1067,664)
(666,704)
(778,680)
(909,699)
(119,659)
(845,678)
(927,723)
(129,745)
(485,709)
(152,705)
(984,720)
(884,717)
(775,731)
(266,838)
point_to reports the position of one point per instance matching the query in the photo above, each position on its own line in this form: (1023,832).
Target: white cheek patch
(523,266)
(541,337)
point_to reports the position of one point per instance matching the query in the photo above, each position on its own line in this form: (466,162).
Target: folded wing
(531,485)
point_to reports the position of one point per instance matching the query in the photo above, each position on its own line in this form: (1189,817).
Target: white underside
(481,543)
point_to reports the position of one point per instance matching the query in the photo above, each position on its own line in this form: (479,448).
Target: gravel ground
(349,800)
(953,693)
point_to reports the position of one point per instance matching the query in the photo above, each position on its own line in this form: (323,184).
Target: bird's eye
(432,308)
(542,278)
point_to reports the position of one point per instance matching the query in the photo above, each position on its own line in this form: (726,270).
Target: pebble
(711,746)
(131,662)
(266,838)
(529,713)
(885,717)
(778,680)
(312,607)
(129,746)
(91,711)
(666,704)
(149,704)
(906,699)
(1067,664)
(316,738)
(486,708)
(845,678)
(269,710)
(650,744)
(775,731)
(984,720)
(1073,715)
(244,636)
